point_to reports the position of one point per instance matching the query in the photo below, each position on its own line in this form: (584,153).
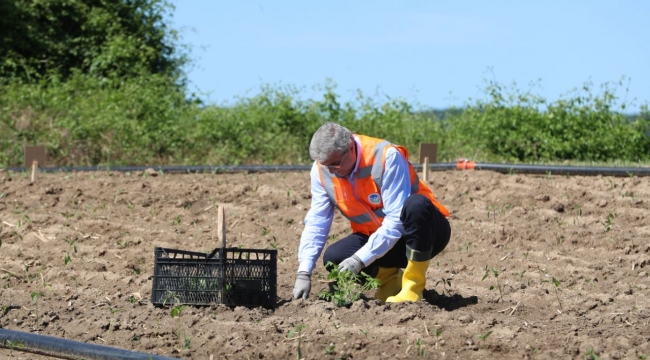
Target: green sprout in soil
(176,311)
(610,221)
(485,336)
(347,286)
(420,347)
(35,295)
(14,344)
(590,355)
(113,311)
(274,245)
(446,285)
(496,276)
(71,246)
(292,332)
(329,350)
(556,285)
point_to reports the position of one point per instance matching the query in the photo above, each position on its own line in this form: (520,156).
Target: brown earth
(590,234)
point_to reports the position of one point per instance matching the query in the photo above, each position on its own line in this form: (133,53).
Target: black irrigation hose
(68,349)
(461,164)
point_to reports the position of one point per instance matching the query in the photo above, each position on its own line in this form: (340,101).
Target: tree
(103,38)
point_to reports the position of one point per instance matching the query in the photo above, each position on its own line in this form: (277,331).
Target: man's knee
(417,201)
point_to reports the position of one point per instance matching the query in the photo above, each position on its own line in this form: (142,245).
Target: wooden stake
(221,226)
(425,170)
(34,170)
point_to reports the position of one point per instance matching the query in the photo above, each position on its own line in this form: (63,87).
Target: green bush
(523,127)
(92,121)
(148,119)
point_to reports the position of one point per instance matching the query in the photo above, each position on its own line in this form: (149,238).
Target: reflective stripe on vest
(376,170)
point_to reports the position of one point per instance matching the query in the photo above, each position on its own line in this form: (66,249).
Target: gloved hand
(303,286)
(353,263)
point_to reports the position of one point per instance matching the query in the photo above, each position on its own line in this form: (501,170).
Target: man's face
(342,164)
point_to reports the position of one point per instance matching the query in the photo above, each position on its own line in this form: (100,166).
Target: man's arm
(317,224)
(395,189)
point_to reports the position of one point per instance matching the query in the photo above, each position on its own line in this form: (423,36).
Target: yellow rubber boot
(413,282)
(390,283)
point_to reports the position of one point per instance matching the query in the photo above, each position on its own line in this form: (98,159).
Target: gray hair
(328,139)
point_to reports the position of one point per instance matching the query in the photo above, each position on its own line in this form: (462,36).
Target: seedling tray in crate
(231,276)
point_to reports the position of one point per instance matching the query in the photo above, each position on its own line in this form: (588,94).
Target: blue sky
(432,53)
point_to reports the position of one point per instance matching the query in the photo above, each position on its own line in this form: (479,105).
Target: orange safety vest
(362,204)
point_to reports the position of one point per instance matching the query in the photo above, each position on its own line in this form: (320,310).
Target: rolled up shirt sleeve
(318,222)
(395,189)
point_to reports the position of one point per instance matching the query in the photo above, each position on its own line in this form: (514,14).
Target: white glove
(303,286)
(353,263)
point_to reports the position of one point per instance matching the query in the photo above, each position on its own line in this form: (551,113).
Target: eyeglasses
(340,163)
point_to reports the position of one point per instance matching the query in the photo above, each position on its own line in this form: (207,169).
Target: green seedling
(446,285)
(347,286)
(420,347)
(496,276)
(329,350)
(485,336)
(275,246)
(35,295)
(590,355)
(71,246)
(292,332)
(365,332)
(610,220)
(13,345)
(439,332)
(176,311)
(176,221)
(113,311)
(76,283)
(265,231)
(556,285)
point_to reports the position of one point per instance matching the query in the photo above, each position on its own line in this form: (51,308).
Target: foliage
(148,120)
(518,126)
(347,287)
(101,38)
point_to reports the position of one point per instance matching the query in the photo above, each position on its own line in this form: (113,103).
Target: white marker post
(428,154)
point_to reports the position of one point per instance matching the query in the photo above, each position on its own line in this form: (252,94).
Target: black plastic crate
(231,276)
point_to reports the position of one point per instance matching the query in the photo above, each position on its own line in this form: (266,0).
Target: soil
(539,267)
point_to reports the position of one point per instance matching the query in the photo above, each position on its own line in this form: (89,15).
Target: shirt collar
(358,153)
